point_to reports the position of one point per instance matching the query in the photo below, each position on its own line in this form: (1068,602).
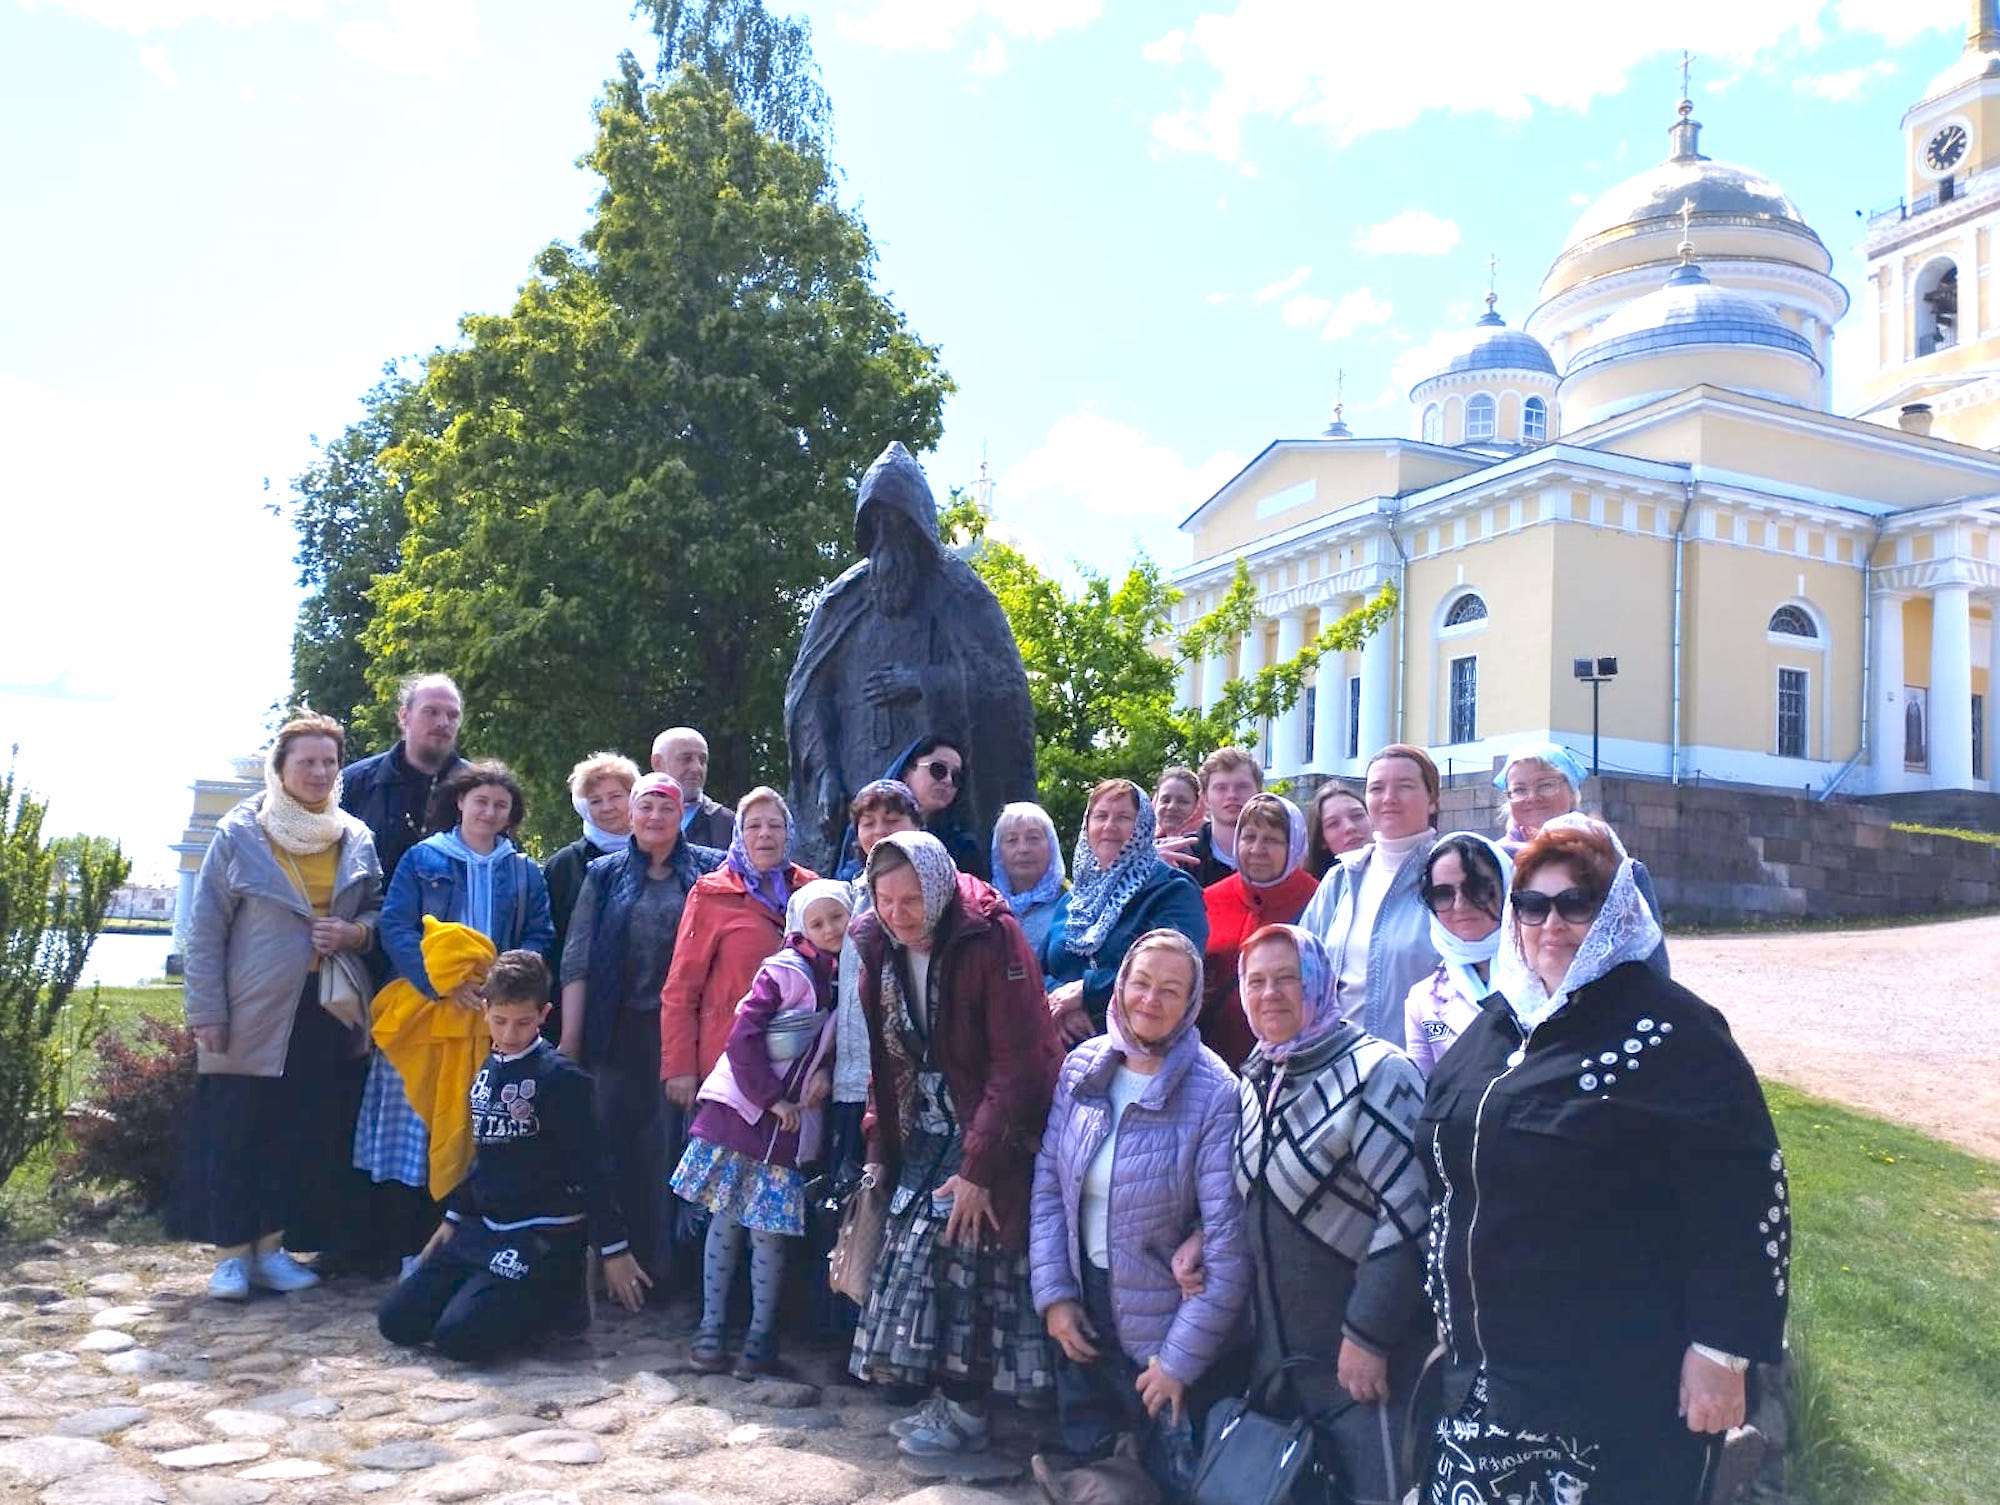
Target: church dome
(1489,345)
(1689,310)
(1716,189)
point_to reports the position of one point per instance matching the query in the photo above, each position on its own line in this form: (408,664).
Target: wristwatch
(1732,1362)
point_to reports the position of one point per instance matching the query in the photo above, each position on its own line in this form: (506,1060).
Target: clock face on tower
(1946,148)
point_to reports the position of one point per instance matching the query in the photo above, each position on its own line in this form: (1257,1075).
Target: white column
(1378,690)
(1329,711)
(1951,688)
(1190,693)
(1214,675)
(1885,689)
(1250,657)
(1288,738)
(1993,698)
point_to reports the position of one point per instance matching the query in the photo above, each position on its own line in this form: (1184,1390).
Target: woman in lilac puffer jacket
(1142,1131)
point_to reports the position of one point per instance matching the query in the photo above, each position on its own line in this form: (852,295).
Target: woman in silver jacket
(289,881)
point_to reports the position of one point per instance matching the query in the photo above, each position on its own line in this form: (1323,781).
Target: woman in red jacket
(735,917)
(965,1058)
(1269,887)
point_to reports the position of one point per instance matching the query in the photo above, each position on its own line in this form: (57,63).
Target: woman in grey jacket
(289,880)
(1142,1127)
(1369,911)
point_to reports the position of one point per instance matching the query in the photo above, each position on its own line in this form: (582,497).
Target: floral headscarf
(1295,835)
(1461,956)
(1624,931)
(1100,893)
(937,874)
(1045,888)
(1114,1017)
(772,887)
(1316,978)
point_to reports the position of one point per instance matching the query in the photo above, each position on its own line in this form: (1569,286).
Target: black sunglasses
(1438,897)
(1573,904)
(944,773)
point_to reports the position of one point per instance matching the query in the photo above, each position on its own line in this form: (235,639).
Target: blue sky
(1147,235)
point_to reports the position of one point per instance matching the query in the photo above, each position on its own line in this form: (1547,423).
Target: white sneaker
(926,1415)
(278,1271)
(411,1264)
(954,1430)
(230,1282)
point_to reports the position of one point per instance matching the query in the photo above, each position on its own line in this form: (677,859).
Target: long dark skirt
(265,1155)
(643,1136)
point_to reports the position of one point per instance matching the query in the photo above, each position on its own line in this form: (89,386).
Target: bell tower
(1932,305)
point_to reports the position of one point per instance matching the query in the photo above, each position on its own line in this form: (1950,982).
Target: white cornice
(1819,294)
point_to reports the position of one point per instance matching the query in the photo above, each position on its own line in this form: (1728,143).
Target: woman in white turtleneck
(1369,911)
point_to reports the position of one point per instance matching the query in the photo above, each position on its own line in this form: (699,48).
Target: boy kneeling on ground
(506,1264)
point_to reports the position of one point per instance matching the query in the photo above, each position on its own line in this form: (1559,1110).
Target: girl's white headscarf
(809,894)
(1624,931)
(1461,957)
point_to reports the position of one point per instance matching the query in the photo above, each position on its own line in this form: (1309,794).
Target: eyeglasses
(1548,789)
(1439,897)
(1572,904)
(944,773)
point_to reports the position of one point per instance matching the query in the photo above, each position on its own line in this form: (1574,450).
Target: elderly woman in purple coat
(1144,1121)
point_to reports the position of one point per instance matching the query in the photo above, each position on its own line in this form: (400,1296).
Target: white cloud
(141,17)
(1358,309)
(1420,361)
(991,58)
(1169,49)
(1414,232)
(1222,297)
(1284,286)
(1304,311)
(416,36)
(1114,470)
(1847,84)
(1349,70)
(154,61)
(934,25)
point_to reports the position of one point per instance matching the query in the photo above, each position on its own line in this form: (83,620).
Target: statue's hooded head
(895,525)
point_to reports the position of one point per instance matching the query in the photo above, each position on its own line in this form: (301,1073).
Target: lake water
(119,961)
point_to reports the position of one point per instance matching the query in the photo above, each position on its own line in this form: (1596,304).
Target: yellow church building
(1649,470)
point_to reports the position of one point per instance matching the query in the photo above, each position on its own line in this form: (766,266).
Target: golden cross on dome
(1492,280)
(1687,221)
(1687,68)
(1339,392)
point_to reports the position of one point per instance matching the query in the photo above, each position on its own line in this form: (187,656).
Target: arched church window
(1937,307)
(1467,609)
(1534,421)
(1481,418)
(1433,425)
(1792,622)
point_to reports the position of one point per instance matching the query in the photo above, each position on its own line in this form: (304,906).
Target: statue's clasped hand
(887,686)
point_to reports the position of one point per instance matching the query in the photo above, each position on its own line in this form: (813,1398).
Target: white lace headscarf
(1624,931)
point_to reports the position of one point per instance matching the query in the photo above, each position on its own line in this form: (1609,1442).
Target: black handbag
(1250,1457)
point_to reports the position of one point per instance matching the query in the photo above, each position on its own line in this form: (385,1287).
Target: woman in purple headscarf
(1334,1209)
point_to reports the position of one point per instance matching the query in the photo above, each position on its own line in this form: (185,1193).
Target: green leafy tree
(1105,663)
(347,507)
(764,61)
(623,492)
(53,896)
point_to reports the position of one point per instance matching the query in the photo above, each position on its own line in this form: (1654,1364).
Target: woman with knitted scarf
(289,880)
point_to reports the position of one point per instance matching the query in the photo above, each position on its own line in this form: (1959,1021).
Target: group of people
(1235,1090)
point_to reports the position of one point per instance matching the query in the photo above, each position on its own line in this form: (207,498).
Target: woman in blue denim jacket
(469,873)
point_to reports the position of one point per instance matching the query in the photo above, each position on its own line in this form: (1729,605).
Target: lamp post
(1595,672)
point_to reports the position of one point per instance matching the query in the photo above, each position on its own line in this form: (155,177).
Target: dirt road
(1904,1024)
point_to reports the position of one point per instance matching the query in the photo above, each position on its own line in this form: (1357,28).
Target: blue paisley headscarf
(1048,887)
(1100,894)
(1316,976)
(772,888)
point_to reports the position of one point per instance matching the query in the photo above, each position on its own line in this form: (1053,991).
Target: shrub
(125,1129)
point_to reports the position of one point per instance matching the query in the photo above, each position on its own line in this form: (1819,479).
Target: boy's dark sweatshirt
(538,1163)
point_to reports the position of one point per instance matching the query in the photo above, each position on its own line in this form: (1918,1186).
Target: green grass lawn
(1896,1309)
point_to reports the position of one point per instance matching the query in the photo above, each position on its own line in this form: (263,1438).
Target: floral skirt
(937,1311)
(728,1183)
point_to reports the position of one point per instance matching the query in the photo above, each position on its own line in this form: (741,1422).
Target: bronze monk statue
(907,644)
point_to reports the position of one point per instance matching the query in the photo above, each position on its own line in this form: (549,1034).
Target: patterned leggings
(718,1270)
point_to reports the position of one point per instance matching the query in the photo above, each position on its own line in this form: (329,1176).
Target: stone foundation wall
(1725,856)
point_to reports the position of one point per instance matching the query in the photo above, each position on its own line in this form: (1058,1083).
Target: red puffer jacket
(995,1041)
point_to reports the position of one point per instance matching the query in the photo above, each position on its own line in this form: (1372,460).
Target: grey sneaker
(230,1282)
(956,1430)
(926,1415)
(278,1271)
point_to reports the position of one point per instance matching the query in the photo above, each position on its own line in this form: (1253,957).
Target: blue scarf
(1047,888)
(1101,893)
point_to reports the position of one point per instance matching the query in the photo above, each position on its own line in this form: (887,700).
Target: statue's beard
(895,576)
